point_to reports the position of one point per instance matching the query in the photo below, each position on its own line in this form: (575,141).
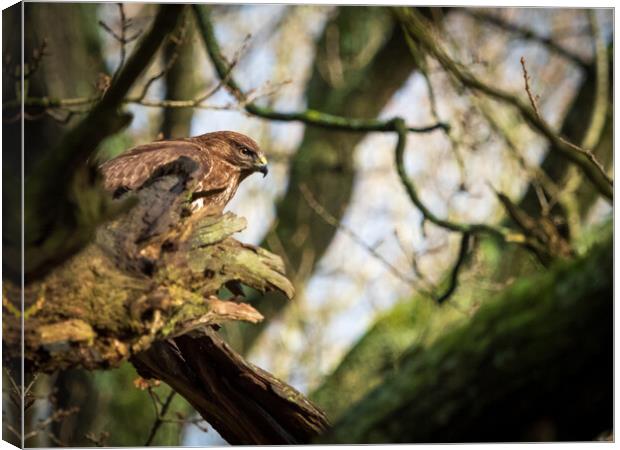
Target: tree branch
(147,291)
(456,269)
(527,34)
(52,234)
(502,233)
(309,117)
(416,26)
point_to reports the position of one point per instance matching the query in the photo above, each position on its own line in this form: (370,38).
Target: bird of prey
(222,160)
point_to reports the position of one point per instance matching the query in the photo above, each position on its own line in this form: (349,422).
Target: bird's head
(239,150)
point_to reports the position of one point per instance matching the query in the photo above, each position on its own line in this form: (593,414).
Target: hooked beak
(261,166)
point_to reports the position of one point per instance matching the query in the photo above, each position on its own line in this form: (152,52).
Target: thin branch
(198,102)
(416,26)
(177,41)
(121,10)
(502,233)
(527,34)
(56,416)
(538,177)
(533,98)
(309,117)
(98,441)
(534,102)
(159,417)
(121,38)
(456,269)
(66,154)
(454,143)
(601,98)
(331,220)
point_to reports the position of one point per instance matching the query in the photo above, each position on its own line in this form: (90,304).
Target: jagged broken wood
(149,287)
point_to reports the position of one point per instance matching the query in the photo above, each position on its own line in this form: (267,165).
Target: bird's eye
(246,151)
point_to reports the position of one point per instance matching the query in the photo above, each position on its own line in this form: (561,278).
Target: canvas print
(252,224)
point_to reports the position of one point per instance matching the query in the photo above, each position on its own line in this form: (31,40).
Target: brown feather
(220,166)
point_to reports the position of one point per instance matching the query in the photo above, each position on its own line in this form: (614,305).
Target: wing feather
(130,170)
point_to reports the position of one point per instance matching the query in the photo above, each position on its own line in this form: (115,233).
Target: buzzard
(221,161)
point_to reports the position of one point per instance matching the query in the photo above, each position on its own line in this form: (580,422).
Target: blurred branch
(527,34)
(328,218)
(417,27)
(599,112)
(159,415)
(540,180)
(504,234)
(534,103)
(309,117)
(456,269)
(121,38)
(508,235)
(56,416)
(50,103)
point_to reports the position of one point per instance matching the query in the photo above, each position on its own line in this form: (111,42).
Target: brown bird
(224,159)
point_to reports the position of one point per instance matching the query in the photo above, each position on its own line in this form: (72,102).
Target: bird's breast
(215,200)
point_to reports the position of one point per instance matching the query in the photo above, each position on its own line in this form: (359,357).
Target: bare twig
(121,37)
(331,220)
(534,102)
(56,416)
(121,10)
(454,143)
(413,259)
(538,177)
(100,440)
(35,61)
(160,414)
(533,98)
(177,41)
(526,33)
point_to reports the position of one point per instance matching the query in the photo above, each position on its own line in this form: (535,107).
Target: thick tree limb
(244,403)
